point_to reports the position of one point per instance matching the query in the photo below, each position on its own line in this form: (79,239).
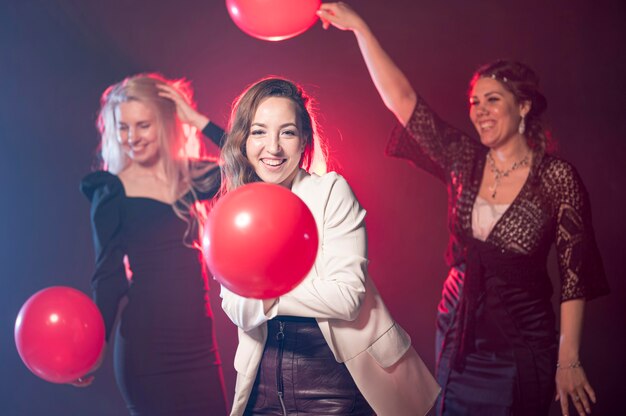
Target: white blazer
(347,306)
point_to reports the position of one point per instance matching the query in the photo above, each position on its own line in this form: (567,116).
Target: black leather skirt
(299,374)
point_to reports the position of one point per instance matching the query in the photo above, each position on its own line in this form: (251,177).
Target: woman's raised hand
(185,111)
(340,15)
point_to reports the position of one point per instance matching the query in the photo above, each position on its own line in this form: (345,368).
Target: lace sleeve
(430,143)
(581,269)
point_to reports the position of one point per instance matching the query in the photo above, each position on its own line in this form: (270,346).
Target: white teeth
(273,162)
(486,125)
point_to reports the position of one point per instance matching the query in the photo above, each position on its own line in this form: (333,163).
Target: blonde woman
(143,208)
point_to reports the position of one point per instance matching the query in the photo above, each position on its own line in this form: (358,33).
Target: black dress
(166,359)
(496,338)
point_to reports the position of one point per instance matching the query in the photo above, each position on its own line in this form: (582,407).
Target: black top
(552,207)
(150,233)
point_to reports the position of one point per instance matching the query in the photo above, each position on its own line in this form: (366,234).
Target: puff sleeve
(109,283)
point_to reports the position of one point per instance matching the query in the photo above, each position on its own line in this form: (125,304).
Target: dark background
(57,56)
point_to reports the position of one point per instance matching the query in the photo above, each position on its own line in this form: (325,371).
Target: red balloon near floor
(260,240)
(273,19)
(59,334)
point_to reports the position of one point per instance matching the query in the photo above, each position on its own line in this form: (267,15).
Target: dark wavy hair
(236,169)
(523,83)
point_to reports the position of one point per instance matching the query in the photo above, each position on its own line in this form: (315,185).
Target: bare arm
(571,380)
(391,83)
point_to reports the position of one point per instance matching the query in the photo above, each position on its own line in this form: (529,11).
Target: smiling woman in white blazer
(271,139)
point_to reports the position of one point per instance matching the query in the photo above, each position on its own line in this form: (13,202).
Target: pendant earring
(522,125)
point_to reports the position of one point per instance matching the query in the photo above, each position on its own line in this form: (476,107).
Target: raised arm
(191,116)
(391,83)
(184,110)
(422,137)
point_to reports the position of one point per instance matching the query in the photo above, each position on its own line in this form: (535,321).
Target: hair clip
(497,78)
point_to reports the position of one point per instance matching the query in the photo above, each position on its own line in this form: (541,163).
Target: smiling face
(137,132)
(274,144)
(495,112)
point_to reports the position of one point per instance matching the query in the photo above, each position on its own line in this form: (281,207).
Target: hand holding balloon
(273,20)
(59,334)
(340,15)
(260,241)
(88,378)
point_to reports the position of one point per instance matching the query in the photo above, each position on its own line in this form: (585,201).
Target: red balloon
(59,333)
(260,240)
(273,19)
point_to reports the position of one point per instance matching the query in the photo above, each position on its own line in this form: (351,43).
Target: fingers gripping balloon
(260,240)
(273,20)
(59,334)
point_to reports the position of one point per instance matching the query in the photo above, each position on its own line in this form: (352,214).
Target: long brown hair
(236,169)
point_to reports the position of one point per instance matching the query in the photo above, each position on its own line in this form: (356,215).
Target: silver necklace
(499,174)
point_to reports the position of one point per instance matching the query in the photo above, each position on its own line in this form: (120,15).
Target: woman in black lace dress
(509,201)
(143,208)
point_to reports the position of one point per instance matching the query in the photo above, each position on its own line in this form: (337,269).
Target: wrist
(360,27)
(568,352)
(568,355)
(200,121)
(568,365)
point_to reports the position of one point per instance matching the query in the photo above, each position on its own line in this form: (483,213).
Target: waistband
(285,318)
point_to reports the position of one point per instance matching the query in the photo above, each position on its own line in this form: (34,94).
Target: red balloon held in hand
(59,334)
(273,19)
(260,240)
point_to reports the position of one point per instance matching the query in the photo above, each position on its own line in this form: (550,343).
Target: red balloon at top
(260,240)
(273,19)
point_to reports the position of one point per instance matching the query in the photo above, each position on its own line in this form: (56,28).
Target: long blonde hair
(185,176)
